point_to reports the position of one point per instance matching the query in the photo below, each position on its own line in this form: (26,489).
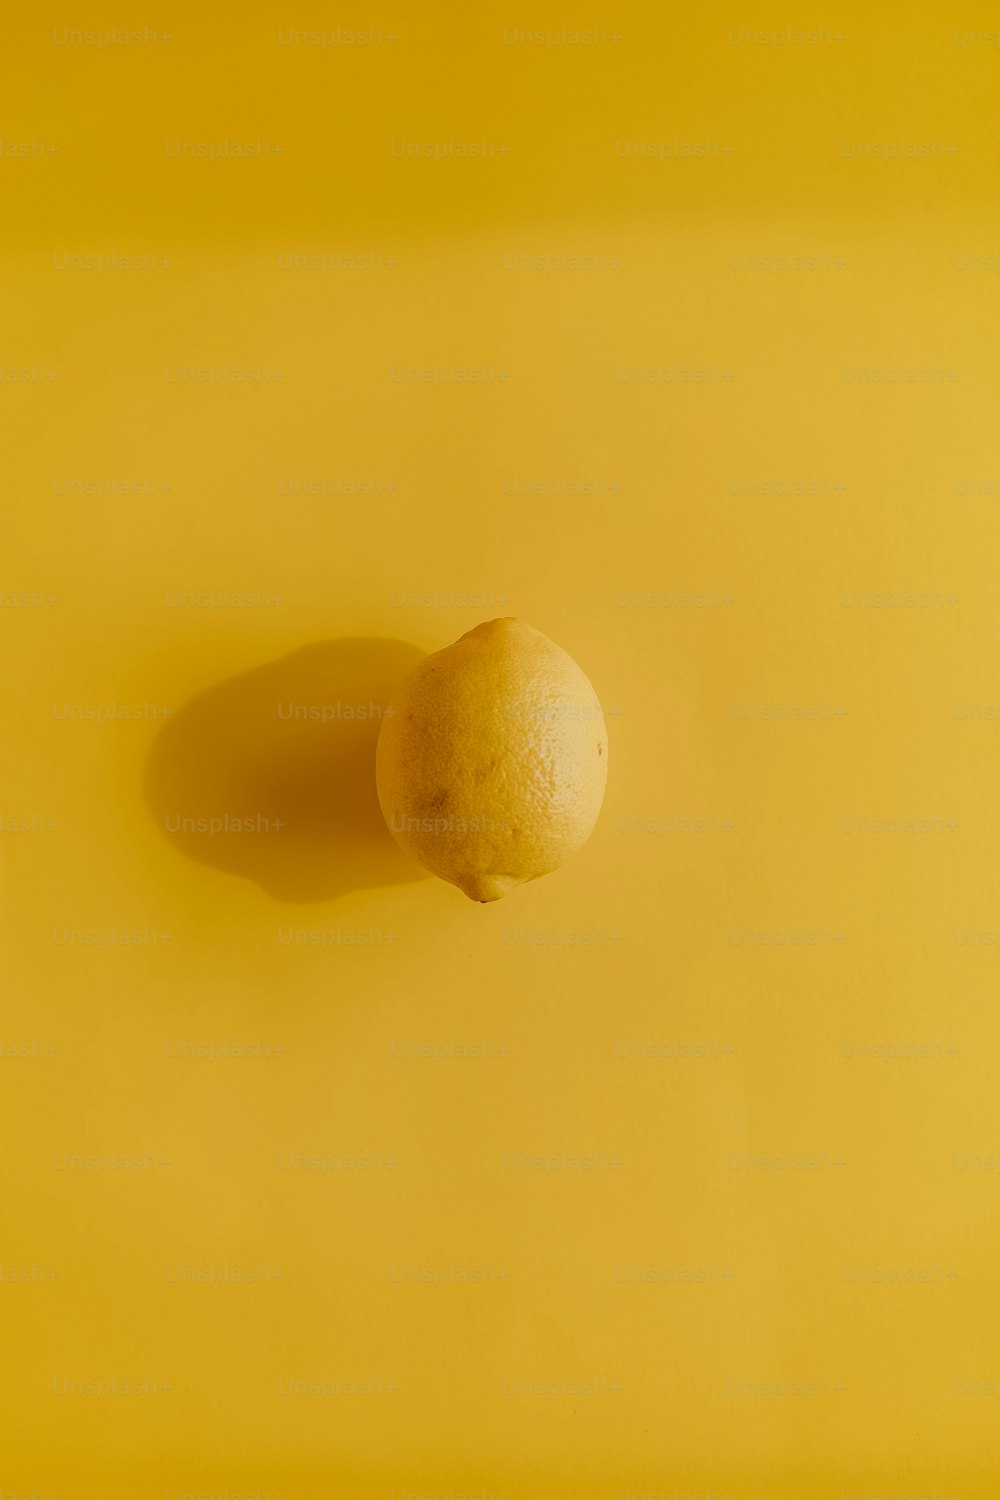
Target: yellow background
(771,1127)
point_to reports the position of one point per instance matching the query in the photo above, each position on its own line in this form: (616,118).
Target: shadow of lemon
(270,775)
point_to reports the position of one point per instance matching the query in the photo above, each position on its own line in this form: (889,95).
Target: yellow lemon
(492,759)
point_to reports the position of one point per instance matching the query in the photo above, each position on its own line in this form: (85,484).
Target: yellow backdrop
(327,334)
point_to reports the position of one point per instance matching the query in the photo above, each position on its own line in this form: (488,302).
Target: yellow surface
(583,1193)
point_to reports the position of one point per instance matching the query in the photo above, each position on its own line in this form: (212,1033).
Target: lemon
(492,759)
